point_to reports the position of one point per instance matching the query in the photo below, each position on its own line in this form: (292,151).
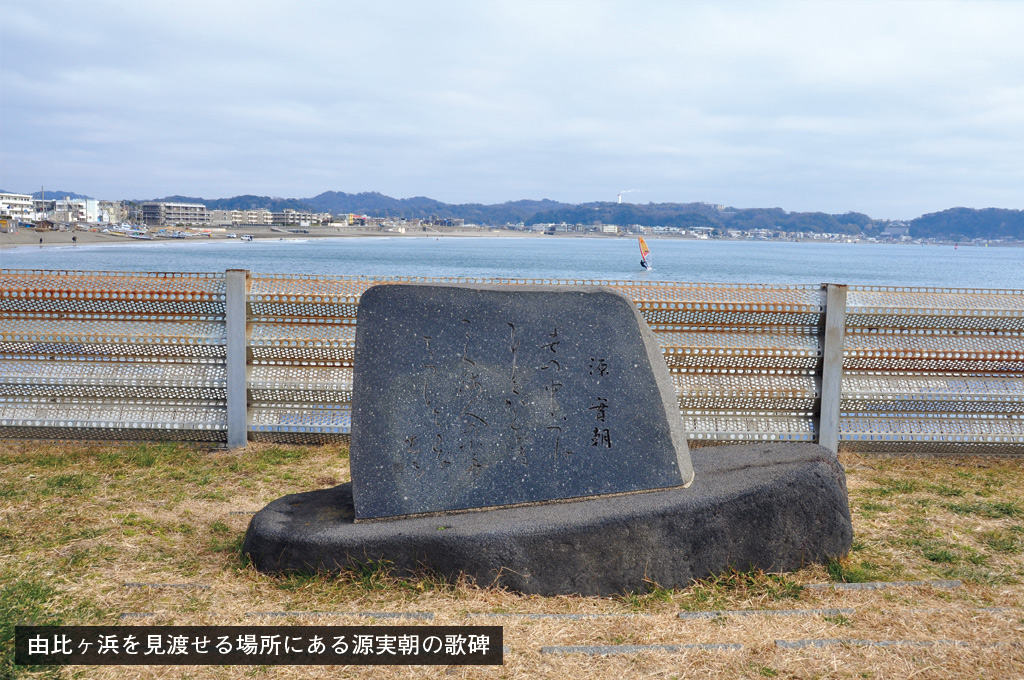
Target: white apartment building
(77,210)
(17,206)
(260,216)
(292,218)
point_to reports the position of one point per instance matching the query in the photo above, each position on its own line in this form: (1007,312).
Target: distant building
(225,218)
(17,207)
(156,213)
(112,211)
(260,216)
(292,218)
(71,210)
(896,230)
(44,207)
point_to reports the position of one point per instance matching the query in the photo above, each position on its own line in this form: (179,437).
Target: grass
(988,509)
(78,521)
(23,601)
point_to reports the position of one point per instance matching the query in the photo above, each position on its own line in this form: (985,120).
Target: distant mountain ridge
(954,224)
(969,223)
(58,195)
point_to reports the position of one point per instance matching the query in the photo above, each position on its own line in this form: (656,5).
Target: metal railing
(234,357)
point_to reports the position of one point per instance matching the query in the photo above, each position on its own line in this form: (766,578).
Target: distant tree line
(954,224)
(968,223)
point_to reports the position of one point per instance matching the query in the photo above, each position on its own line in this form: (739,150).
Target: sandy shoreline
(26,238)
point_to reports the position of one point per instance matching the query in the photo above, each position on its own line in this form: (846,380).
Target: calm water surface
(576,258)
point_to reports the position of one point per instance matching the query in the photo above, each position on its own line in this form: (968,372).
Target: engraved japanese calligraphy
(478,397)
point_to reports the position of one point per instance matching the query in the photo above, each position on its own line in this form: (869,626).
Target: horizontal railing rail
(236,356)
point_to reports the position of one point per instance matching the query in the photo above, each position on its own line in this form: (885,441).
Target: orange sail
(645,253)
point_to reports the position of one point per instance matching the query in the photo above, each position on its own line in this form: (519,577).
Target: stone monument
(530,437)
(493,396)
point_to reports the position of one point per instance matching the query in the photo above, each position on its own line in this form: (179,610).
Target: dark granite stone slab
(473,397)
(776,507)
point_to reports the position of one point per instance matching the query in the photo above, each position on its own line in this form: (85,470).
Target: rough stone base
(770,506)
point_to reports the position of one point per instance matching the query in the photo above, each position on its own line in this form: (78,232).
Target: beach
(29,237)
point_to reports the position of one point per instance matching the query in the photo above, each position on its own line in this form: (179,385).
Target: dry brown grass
(79,521)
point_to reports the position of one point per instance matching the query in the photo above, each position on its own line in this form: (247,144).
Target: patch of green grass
(700,597)
(51,460)
(946,490)
(228,544)
(845,571)
(838,620)
(972,573)
(10,491)
(134,520)
(888,486)
(993,481)
(23,601)
(713,592)
(279,456)
(1003,541)
(941,555)
(872,507)
(653,594)
(70,484)
(149,455)
(371,575)
(988,509)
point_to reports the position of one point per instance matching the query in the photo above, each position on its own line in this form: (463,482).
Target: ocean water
(555,258)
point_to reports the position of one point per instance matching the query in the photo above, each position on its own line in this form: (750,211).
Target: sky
(894,109)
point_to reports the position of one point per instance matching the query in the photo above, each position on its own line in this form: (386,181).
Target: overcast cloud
(893,109)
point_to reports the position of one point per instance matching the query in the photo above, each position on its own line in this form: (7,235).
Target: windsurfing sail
(645,254)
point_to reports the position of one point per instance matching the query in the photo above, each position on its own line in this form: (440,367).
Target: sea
(555,258)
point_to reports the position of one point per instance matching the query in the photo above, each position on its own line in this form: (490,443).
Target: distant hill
(953,224)
(374,203)
(247,202)
(967,223)
(57,194)
(686,215)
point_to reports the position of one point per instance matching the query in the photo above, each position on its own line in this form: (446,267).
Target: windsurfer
(644,254)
